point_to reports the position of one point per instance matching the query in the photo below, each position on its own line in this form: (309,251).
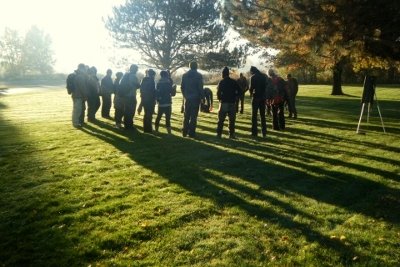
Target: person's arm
(200,88)
(251,90)
(183,87)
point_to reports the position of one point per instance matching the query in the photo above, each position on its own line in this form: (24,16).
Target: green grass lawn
(316,194)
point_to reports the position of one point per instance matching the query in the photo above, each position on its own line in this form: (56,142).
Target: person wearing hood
(164,93)
(148,95)
(193,93)
(258,84)
(227,91)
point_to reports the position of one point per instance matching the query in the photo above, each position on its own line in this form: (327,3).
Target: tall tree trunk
(337,78)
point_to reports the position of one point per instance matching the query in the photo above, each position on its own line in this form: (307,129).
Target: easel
(367,98)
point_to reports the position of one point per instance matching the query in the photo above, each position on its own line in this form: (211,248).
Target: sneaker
(232,137)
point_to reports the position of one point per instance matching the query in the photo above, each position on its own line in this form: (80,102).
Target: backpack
(276,91)
(124,86)
(71,83)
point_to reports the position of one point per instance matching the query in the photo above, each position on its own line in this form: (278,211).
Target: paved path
(23,90)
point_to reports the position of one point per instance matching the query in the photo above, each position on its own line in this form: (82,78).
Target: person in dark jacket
(293,88)
(94,94)
(128,86)
(207,106)
(148,96)
(118,102)
(258,83)
(107,89)
(193,93)
(227,91)
(79,96)
(244,86)
(164,93)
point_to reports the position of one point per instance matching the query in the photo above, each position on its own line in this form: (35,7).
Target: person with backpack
(258,83)
(127,90)
(118,102)
(78,94)
(94,94)
(227,91)
(164,93)
(148,99)
(107,89)
(277,100)
(293,88)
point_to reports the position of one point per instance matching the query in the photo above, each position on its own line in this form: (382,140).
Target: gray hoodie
(192,85)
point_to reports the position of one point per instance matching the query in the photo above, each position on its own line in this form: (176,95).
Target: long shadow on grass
(27,239)
(209,157)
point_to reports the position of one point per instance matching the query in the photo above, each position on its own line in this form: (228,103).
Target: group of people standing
(230,93)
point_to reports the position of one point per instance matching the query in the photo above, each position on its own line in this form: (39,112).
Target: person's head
(109,72)
(193,65)
(119,75)
(289,76)
(133,68)
(151,73)
(241,75)
(93,70)
(82,68)
(254,70)
(225,72)
(271,73)
(164,74)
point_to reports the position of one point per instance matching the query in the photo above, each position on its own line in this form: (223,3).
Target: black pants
(240,99)
(278,116)
(129,111)
(93,106)
(258,106)
(232,118)
(106,105)
(164,110)
(82,115)
(190,116)
(148,106)
(119,113)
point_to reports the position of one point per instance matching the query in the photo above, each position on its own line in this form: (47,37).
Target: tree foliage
(31,54)
(38,56)
(11,45)
(321,33)
(171,33)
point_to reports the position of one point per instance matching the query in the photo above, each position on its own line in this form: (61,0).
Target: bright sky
(75,26)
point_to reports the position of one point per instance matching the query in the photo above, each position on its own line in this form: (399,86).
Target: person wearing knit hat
(193,94)
(258,83)
(227,91)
